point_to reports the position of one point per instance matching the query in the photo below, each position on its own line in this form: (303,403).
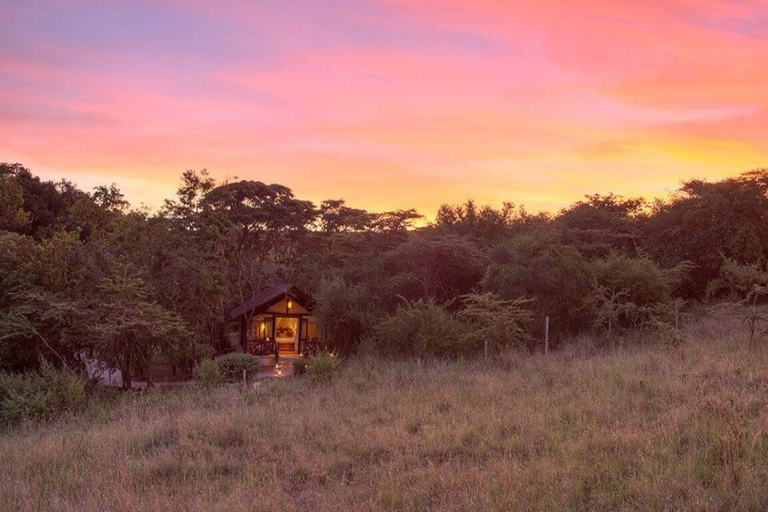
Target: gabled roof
(272,295)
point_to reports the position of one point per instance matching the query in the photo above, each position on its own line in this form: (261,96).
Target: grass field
(643,428)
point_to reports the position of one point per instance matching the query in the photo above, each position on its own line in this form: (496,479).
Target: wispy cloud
(389,103)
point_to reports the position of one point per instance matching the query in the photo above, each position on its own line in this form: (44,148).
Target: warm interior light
(290,303)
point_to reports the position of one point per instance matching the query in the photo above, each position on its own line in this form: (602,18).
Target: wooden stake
(546,335)
(677,323)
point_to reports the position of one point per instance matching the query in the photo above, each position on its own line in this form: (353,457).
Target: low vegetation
(43,394)
(208,373)
(645,425)
(231,366)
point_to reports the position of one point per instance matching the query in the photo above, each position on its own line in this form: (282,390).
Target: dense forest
(82,274)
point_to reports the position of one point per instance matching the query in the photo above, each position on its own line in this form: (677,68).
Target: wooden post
(546,335)
(245,380)
(277,351)
(677,323)
(485,350)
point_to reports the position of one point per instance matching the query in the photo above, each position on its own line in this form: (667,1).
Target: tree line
(82,274)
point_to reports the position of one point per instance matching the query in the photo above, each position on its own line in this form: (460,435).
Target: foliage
(336,217)
(736,280)
(745,287)
(345,312)
(232,366)
(395,222)
(42,394)
(485,224)
(442,267)
(39,294)
(707,222)
(12,214)
(557,276)
(128,329)
(420,328)
(489,318)
(322,367)
(602,224)
(82,275)
(208,372)
(300,366)
(632,293)
(260,219)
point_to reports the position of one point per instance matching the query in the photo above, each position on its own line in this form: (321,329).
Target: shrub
(43,394)
(632,293)
(323,367)
(232,365)
(420,328)
(495,321)
(208,373)
(300,366)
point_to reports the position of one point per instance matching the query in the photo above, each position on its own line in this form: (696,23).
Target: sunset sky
(388,104)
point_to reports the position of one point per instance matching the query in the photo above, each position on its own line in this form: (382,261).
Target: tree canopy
(84,274)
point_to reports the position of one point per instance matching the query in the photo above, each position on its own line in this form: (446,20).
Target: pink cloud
(400,103)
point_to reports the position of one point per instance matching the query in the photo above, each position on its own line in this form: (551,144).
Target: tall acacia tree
(262,227)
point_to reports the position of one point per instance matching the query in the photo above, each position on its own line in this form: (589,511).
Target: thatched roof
(272,295)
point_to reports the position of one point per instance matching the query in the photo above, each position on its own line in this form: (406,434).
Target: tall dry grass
(656,427)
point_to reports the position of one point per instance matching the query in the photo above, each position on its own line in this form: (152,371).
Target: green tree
(40,286)
(555,275)
(737,280)
(438,266)
(602,224)
(707,222)
(12,214)
(486,225)
(128,329)
(346,313)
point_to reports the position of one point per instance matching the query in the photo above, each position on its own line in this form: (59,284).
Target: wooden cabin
(277,320)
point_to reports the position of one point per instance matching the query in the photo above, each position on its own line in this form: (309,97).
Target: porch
(278,321)
(264,347)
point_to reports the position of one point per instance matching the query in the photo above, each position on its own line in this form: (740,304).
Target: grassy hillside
(651,428)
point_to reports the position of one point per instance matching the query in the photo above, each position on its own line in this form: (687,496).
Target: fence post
(245,380)
(485,349)
(677,321)
(546,335)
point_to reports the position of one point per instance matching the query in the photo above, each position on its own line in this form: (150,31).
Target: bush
(323,367)
(44,394)
(232,365)
(300,367)
(208,373)
(420,328)
(632,293)
(497,322)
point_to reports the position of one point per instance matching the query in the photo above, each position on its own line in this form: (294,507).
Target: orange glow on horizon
(389,104)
